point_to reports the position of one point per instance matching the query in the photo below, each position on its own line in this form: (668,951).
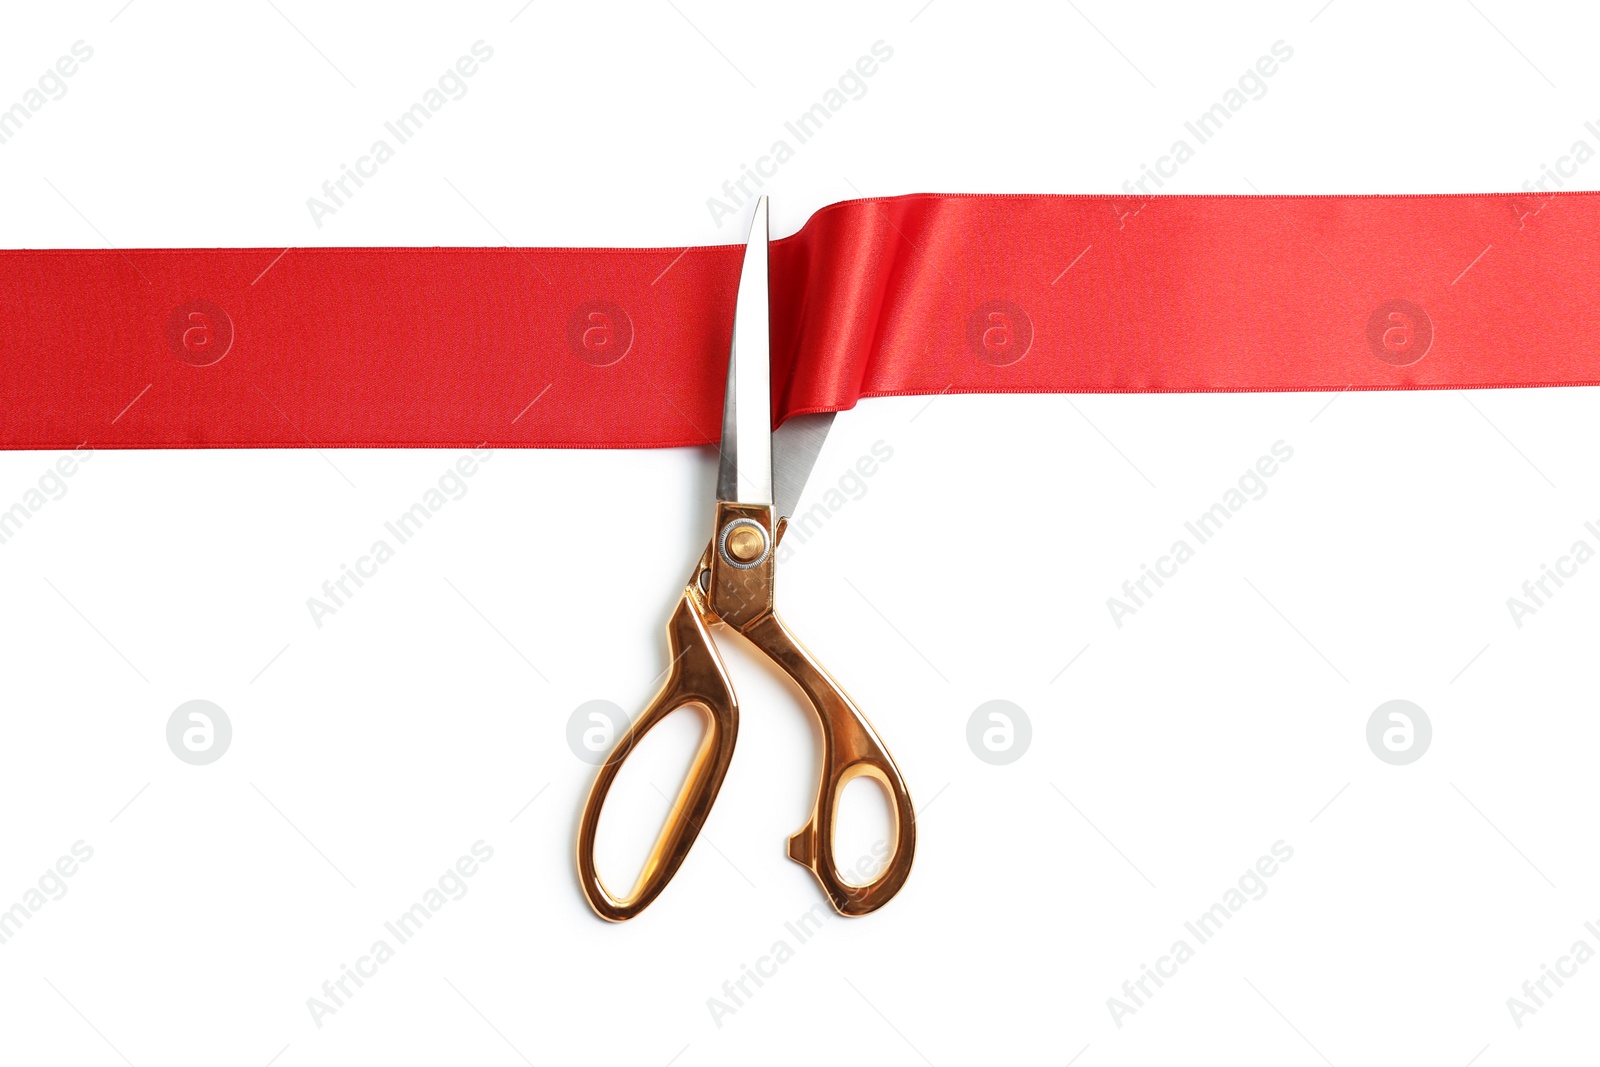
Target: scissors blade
(745,474)
(795,446)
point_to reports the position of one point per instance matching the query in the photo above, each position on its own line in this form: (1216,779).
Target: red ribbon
(624,348)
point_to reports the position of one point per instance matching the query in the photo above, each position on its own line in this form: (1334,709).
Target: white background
(1227,715)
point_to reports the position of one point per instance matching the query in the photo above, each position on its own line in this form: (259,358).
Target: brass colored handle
(850,749)
(696,679)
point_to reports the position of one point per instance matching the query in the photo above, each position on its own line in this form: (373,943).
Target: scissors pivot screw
(743,543)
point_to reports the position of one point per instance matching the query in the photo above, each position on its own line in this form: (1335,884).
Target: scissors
(732,586)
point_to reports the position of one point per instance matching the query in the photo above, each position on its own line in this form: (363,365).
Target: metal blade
(745,475)
(795,446)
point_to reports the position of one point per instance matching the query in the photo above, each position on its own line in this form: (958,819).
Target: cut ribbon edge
(915,295)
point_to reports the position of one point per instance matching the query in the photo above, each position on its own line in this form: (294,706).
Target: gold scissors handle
(850,749)
(696,679)
(741,598)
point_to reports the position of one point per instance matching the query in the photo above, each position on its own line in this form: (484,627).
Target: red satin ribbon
(623,348)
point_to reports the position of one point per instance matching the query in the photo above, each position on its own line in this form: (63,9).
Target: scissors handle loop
(850,750)
(696,680)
